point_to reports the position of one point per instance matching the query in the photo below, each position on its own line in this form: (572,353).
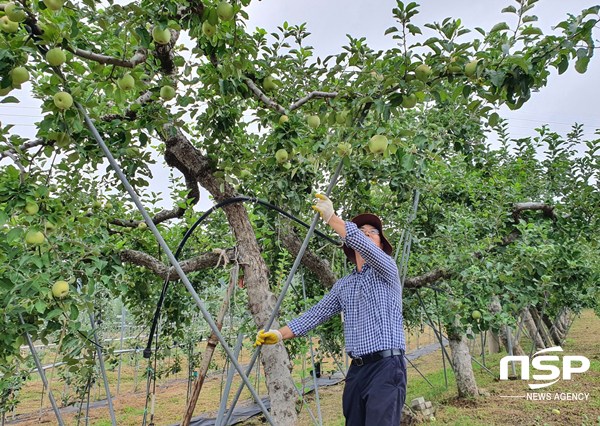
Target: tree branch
(519,207)
(164,53)
(140,56)
(198,263)
(19,165)
(320,267)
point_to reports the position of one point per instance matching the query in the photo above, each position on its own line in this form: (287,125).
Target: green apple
(378,144)
(283,119)
(19,75)
(167,93)
(8,26)
(15,15)
(96,204)
(63,140)
(313,121)
(344,149)
(161,36)
(50,227)
(269,84)
(142,225)
(409,101)
(54,4)
(423,72)
(555,411)
(208,29)
(126,82)
(454,67)
(225,11)
(60,289)
(108,206)
(471,67)
(31,208)
(34,238)
(56,57)
(63,100)
(476,315)
(340,117)
(281,156)
(245,173)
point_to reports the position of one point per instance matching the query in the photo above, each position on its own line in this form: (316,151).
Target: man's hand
(324,206)
(268,337)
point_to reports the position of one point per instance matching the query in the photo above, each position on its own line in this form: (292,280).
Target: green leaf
(563,65)
(390,30)
(519,61)
(144,36)
(500,27)
(509,9)
(40,305)
(531,31)
(13,234)
(493,120)
(9,100)
(581,64)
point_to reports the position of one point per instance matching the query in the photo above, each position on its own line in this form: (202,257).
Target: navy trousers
(375,393)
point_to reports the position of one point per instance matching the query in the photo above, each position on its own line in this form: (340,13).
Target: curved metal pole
(287,285)
(173,261)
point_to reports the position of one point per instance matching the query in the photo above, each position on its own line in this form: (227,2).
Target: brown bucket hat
(373,220)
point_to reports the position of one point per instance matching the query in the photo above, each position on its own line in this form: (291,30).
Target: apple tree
(147,92)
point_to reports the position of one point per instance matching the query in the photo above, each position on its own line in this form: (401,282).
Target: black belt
(375,356)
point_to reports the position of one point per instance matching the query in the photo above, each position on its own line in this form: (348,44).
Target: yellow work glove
(324,206)
(268,337)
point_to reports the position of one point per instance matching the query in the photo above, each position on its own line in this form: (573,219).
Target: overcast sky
(569,98)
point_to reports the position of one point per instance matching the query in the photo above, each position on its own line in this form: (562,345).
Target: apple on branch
(56,57)
(313,121)
(63,100)
(167,93)
(378,144)
(225,11)
(281,156)
(8,26)
(54,4)
(60,289)
(161,36)
(15,12)
(126,82)
(34,238)
(19,75)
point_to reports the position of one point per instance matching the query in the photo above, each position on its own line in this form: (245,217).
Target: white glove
(325,207)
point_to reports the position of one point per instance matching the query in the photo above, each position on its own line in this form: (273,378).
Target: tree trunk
(553,327)
(463,369)
(530,325)
(516,346)
(181,154)
(542,330)
(493,342)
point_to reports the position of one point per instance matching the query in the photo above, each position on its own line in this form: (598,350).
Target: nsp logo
(536,362)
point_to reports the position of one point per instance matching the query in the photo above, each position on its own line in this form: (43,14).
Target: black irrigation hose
(148,350)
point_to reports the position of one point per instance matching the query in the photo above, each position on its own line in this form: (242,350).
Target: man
(371,299)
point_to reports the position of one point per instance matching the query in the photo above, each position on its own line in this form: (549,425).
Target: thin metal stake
(223,406)
(102,369)
(287,284)
(174,262)
(304,401)
(38,364)
(121,348)
(510,349)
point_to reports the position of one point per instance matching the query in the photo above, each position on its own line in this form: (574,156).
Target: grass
(481,411)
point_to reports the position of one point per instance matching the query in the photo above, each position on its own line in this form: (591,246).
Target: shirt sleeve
(327,307)
(376,258)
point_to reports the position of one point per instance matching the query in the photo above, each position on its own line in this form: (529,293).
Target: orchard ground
(489,411)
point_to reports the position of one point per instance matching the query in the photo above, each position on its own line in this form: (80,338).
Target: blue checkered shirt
(370,299)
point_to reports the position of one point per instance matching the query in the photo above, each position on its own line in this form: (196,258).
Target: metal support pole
(304,401)
(121,348)
(174,262)
(537,329)
(223,406)
(410,362)
(102,369)
(287,284)
(510,349)
(312,355)
(40,369)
